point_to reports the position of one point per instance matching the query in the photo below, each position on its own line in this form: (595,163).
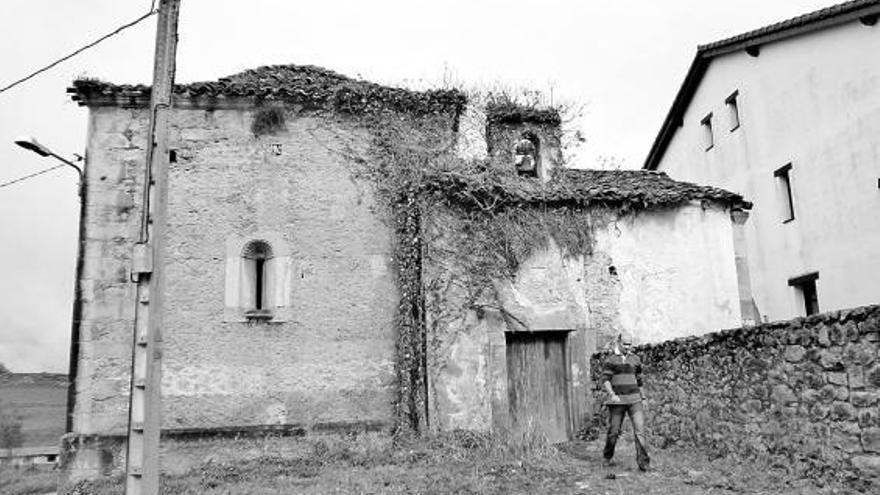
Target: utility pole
(142,461)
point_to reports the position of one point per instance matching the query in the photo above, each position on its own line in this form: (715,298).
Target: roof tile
(794,22)
(304,84)
(640,188)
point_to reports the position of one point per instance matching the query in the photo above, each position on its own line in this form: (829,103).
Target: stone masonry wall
(114,177)
(328,355)
(801,395)
(324,362)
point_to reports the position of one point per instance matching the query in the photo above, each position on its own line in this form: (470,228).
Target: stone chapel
(304,295)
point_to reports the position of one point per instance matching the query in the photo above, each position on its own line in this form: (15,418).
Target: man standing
(622,379)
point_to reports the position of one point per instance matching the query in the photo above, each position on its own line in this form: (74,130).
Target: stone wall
(801,395)
(328,353)
(327,357)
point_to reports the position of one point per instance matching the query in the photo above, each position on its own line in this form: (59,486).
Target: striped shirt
(625,374)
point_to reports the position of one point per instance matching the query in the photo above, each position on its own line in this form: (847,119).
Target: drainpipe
(747,308)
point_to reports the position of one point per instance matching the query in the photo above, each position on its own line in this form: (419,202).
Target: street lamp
(31,144)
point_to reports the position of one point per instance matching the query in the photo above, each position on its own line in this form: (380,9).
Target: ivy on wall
(480,221)
(475,213)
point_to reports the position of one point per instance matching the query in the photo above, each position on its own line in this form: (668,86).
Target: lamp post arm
(68,162)
(79,171)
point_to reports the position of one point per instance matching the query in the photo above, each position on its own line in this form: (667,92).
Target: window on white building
(732,111)
(805,289)
(708,140)
(783,185)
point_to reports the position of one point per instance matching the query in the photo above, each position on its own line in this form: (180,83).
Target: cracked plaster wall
(656,274)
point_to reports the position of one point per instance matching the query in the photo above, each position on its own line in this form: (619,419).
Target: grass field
(468,463)
(39,401)
(36,481)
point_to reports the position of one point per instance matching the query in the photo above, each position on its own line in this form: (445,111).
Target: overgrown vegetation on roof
(268,121)
(509,112)
(307,85)
(484,187)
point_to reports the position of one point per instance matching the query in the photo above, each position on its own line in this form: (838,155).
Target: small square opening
(708,139)
(805,288)
(733,111)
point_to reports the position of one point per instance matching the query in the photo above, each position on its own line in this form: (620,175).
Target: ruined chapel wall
(328,357)
(458,341)
(675,273)
(114,180)
(467,364)
(650,274)
(801,395)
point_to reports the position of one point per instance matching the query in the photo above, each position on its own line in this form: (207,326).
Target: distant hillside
(40,401)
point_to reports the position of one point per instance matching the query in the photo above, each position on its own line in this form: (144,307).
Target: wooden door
(537,384)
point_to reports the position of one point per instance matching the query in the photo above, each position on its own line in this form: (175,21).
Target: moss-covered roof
(509,112)
(636,188)
(308,85)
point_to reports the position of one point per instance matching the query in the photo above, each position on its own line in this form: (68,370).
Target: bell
(524,163)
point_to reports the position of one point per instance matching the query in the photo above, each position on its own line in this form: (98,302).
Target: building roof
(633,188)
(308,85)
(867,10)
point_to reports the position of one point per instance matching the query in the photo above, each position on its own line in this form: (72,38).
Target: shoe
(646,468)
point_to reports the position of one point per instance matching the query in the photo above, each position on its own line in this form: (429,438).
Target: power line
(62,59)
(32,175)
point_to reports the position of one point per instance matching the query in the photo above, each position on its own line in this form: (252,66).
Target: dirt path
(675,472)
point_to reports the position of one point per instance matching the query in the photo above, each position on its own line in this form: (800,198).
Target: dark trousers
(636,415)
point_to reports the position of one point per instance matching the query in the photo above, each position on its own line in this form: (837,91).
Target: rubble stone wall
(801,395)
(326,357)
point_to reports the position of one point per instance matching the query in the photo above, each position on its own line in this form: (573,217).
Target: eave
(865,11)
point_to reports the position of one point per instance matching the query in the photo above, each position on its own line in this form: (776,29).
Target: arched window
(257,277)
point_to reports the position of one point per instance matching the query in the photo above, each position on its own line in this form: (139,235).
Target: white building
(788,116)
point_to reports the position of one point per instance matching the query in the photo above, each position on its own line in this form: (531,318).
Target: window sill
(258,315)
(244,315)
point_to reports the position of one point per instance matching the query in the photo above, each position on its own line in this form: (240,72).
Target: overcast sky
(624,58)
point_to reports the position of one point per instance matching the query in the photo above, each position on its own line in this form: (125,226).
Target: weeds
(460,461)
(27,481)
(268,121)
